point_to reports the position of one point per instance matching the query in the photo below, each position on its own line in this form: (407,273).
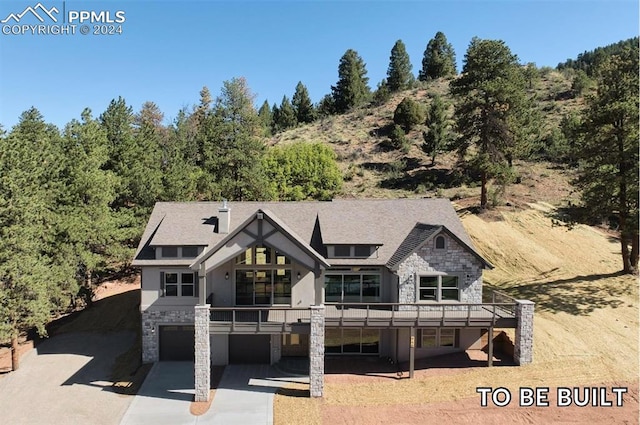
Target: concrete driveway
(244,396)
(65,380)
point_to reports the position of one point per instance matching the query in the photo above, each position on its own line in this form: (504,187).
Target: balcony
(377,315)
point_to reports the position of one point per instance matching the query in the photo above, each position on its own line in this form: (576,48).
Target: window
(180,251)
(362,251)
(342,251)
(438,337)
(351,251)
(262,256)
(440,242)
(352,288)
(169,251)
(189,251)
(174,284)
(449,285)
(438,288)
(351,341)
(428,288)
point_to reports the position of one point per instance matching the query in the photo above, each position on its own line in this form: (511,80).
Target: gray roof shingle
(389,223)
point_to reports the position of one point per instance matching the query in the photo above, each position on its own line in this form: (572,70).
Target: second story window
(179,251)
(262,256)
(438,288)
(351,251)
(178,284)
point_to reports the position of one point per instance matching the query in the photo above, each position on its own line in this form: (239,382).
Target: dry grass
(360,140)
(293,406)
(586,321)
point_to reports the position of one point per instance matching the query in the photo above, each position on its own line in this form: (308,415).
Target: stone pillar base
(316,351)
(523,345)
(202,353)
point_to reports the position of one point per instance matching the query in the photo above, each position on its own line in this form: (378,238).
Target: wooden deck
(379,316)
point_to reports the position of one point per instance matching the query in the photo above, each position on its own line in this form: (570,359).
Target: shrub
(408,113)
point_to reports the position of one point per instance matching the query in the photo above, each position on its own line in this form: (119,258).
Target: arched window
(440,242)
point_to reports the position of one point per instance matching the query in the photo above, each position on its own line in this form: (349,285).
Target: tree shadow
(100,349)
(383,368)
(579,295)
(428,177)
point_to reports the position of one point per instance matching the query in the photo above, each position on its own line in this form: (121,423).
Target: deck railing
(260,318)
(256,319)
(397,314)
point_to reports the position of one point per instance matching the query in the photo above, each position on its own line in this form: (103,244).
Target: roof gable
(246,235)
(422,234)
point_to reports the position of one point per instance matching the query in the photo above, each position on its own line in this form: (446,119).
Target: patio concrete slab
(164,397)
(243,397)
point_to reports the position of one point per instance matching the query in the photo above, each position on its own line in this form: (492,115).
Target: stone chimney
(224,218)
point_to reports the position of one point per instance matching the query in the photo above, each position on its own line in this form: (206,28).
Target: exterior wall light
(226,276)
(299,276)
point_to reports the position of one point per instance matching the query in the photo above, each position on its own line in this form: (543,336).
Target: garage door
(177,343)
(248,349)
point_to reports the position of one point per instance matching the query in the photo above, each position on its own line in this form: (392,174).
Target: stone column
(523,346)
(149,338)
(316,351)
(202,353)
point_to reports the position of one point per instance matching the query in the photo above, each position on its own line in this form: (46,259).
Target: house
(257,281)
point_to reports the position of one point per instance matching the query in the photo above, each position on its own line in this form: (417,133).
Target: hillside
(372,169)
(585,334)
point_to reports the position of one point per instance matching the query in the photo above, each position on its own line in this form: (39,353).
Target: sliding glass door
(263,287)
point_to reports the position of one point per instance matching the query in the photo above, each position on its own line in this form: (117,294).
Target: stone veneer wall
(316,351)
(151,319)
(203,353)
(523,345)
(454,259)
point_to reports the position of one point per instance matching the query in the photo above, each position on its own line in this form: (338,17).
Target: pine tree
(351,90)
(32,283)
(326,106)
(608,151)
(399,76)
(302,105)
(87,224)
(266,117)
(491,109)
(439,59)
(234,162)
(180,172)
(284,117)
(438,135)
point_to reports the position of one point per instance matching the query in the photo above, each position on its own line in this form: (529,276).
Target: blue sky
(169,50)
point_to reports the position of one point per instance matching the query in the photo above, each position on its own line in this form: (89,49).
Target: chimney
(224,218)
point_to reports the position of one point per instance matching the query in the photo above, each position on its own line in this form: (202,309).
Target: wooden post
(202,284)
(412,352)
(490,355)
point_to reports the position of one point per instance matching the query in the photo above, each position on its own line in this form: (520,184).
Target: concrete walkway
(66,380)
(244,396)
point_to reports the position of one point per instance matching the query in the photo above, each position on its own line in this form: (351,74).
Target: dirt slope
(585,334)
(586,312)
